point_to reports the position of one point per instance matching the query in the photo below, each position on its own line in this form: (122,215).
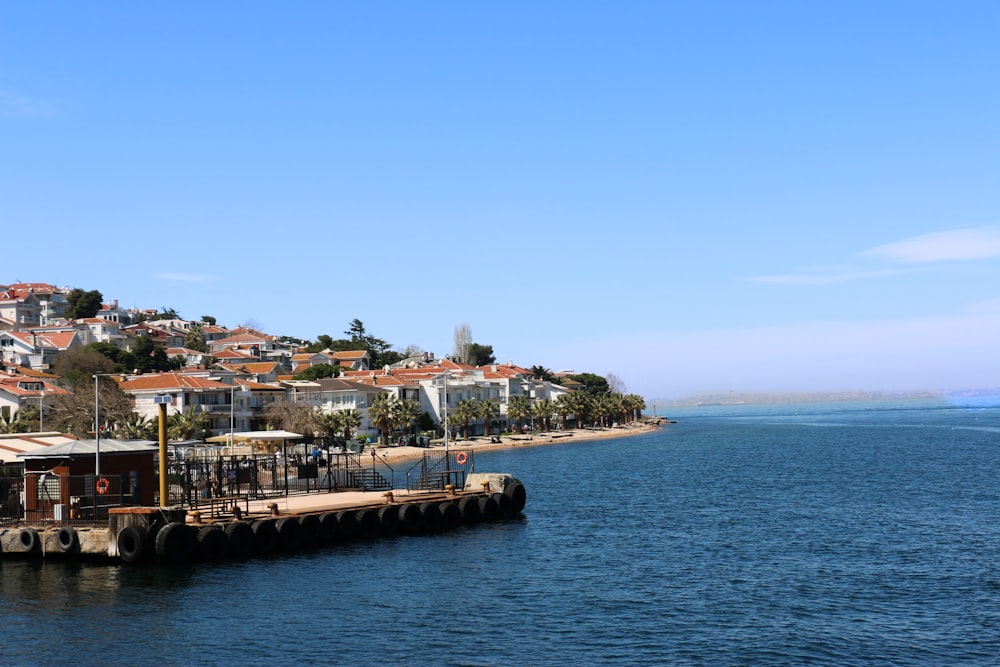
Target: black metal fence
(193,483)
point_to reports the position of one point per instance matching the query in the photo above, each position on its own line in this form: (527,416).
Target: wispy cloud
(827,277)
(956,245)
(16,104)
(183,277)
(977,243)
(988,306)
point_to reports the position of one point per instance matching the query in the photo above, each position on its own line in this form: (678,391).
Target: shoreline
(509,441)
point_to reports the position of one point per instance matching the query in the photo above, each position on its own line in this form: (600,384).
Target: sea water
(842,534)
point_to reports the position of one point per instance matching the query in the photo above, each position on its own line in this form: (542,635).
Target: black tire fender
(289,533)
(451,516)
(431,514)
(133,544)
(265,536)
(488,508)
(68,539)
(310,529)
(30,542)
(241,539)
(515,490)
(411,521)
(175,543)
(213,545)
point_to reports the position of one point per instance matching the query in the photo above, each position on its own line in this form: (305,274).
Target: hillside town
(244,380)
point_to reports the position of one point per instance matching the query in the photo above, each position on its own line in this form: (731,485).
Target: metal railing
(435,472)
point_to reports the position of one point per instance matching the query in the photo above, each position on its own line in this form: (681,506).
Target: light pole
(447,456)
(232,417)
(41,411)
(97,426)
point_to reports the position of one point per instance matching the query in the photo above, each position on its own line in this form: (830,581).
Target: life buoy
(103,485)
(461,458)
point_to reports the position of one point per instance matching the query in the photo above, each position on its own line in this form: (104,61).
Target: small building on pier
(60,481)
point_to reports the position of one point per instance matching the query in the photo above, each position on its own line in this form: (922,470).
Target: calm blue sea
(843,534)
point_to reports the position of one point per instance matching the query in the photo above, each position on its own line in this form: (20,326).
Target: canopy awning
(250,436)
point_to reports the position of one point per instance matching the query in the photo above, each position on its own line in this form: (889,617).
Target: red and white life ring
(103,485)
(461,458)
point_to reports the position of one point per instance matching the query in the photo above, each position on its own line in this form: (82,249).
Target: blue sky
(693,196)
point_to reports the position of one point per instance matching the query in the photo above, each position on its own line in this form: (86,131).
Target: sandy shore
(483,443)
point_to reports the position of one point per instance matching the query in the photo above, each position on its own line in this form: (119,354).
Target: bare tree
(463,339)
(615,384)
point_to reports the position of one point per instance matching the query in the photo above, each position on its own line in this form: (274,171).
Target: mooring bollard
(450,488)
(388,497)
(195,516)
(237,512)
(274,509)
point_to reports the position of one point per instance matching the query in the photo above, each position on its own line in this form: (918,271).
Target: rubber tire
(175,543)
(347,523)
(68,539)
(488,508)
(451,516)
(411,521)
(241,539)
(133,544)
(213,546)
(368,523)
(329,528)
(503,502)
(515,490)
(310,530)
(30,541)
(265,536)
(289,533)
(469,507)
(388,520)
(431,515)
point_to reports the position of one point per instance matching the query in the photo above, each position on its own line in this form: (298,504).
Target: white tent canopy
(250,436)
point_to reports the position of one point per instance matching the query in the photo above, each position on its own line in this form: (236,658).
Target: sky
(692,196)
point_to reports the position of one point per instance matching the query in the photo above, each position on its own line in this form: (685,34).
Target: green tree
(319,371)
(148,356)
(137,427)
(480,355)
(350,420)
(195,339)
(186,425)
(466,410)
(208,319)
(542,410)
(518,408)
(81,305)
(384,413)
(323,342)
(580,402)
(594,385)
(542,374)
(409,411)
(487,410)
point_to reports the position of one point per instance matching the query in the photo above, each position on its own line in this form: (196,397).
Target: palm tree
(581,404)
(350,420)
(518,407)
(633,405)
(563,407)
(408,413)
(466,410)
(543,409)
(604,409)
(136,427)
(184,425)
(384,413)
(488,410)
